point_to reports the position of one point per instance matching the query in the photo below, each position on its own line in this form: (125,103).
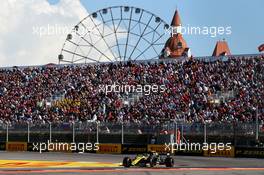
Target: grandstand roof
(221,48)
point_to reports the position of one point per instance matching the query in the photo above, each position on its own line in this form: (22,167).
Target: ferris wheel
(119,33)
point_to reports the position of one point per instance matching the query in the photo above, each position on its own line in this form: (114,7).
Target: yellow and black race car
(152,159)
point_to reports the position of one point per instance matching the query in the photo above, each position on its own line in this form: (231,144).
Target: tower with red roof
(176,46)
(221,49)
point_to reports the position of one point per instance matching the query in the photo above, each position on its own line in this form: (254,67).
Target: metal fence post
(88,133)
(234,133)
(73,132)
(50,131)
(182,133)
(122,133)
(205,133)
(176,132)
(28,133)
(257,126)
(7,132)
(97,132)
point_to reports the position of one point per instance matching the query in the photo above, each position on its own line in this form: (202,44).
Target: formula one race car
(152,159)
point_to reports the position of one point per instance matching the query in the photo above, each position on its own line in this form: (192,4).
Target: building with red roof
(221,49)
(176,46)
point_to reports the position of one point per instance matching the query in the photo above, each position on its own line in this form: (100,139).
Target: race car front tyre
(169,162)
(152,161)
(127,162)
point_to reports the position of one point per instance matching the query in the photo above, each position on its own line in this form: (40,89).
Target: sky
(21,42)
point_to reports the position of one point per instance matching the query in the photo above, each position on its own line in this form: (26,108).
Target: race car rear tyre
(169,162)
(152,162)
(127,162)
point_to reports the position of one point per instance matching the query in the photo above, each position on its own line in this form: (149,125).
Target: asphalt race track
(104,164)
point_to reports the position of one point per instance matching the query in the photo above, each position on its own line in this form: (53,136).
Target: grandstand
(196,90)
(219,88)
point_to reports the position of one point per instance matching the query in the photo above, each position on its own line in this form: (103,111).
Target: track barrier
(190,152)
(16,146)
(251,152)
(220,153)
(157,148)
(2,146)
(109,148)
(134,148)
